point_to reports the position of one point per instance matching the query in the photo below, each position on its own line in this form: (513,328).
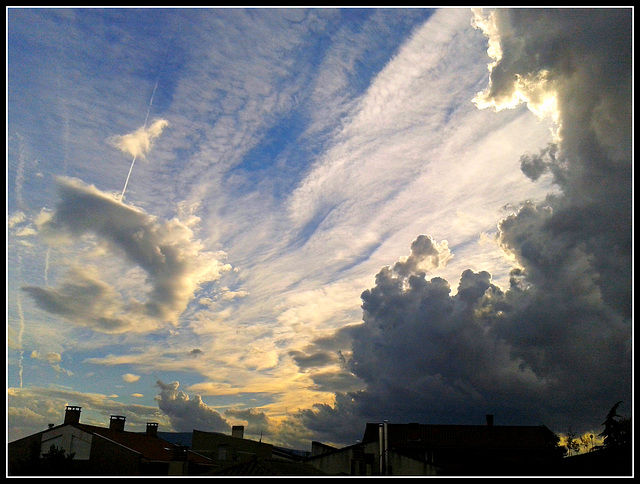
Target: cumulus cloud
(139,143)
(130,378)
(436,351)
(554,347)
(188,413)
(588,55)
(257,423)
(173,261)
(53,358)
(426,254)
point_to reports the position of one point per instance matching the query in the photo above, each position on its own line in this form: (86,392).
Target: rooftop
(462,436)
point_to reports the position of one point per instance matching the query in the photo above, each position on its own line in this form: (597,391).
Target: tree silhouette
(572,443)
(55,462)
(617,430)
(586,441)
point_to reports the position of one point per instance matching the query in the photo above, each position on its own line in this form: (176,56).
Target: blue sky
(330,214)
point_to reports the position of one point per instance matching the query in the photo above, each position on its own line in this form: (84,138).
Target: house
(224,449)
(93,450)
(417,449)
(365,459)
(234,455)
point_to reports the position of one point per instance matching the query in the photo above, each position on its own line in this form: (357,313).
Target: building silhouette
(77,449)
(454,450)
(101,451)
(386,449)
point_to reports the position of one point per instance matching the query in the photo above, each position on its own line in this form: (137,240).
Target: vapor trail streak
(127,181)
(150,104)
(146,118)
(21,328)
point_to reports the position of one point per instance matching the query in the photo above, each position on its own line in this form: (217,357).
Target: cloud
(130,378)
(554,346)
(305,361)
(231,295)
(53,358)
(139,143)
(590,66)
(174,262)
(188,413)
(258,423)
(426,254)
(436,349)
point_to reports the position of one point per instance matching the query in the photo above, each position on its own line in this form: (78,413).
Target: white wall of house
(69,438)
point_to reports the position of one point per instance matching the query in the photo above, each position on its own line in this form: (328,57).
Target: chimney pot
(72,414)
(489,420)
(117,422)
(152,429)
(237,431)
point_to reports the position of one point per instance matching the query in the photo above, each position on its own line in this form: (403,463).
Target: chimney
(72,414)
(152,429)
(117,422)
(489,420)
(237,431)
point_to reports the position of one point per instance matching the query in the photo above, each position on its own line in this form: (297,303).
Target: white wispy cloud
(139,143)
(388,171)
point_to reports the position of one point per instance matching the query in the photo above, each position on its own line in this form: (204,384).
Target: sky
(304,220)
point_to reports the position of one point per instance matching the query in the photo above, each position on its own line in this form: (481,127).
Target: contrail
(20,178)
(127,182)
(46,267)
(146,118)
(150,104)
(21,328)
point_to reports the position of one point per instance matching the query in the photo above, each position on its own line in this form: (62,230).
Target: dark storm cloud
(325,362)
(172,259)
(587,53)
(534,166)
(188,413)
(425,352)
(338,381)
(316,359)
(555,346)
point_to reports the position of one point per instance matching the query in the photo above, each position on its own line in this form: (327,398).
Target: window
(222,451)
